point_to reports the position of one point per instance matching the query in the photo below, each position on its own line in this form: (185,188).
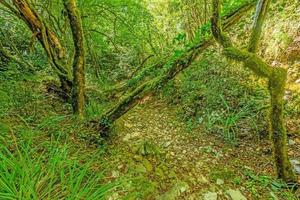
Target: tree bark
(78,90)
(50,42)
(170,69)
(277,81)
(259,18)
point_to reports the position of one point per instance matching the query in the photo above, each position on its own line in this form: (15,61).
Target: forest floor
(151,153)
(173,163)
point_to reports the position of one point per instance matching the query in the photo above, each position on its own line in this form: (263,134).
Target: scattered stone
(202,179)
(145,148)
(130,136)
(291,142)
(115,174)
(128,125)
(141,168)
(210,196)
(168,143)
(235,195)
(173,194)
(296,165)
(220,181)
(147,165)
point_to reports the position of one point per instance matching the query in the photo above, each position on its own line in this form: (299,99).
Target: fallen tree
(178,62)
(276,77)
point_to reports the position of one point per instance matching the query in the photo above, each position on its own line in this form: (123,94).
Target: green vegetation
(151,99)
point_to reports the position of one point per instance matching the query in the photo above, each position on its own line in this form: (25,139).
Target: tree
(78,91)
(277,80)
(55,51)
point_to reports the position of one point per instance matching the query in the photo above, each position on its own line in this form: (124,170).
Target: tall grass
(46,171)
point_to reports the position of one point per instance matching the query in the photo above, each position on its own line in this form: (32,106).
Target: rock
(167,144)
(145,148)
(141,168)
(130,136)
(147,165)
(128,125)
(210,196)
(202,179)
(292,142)
(173,194)
(220,181)
(115,174)
(235,195)
(296,165)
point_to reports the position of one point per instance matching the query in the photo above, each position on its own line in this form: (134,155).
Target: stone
(173,194)
(235,195)
(296,166)
(115,174)
(292,142)
(167,144)
(141,168)
(147,164)
(128,125)
(210,196)
(220,181)
(202,179)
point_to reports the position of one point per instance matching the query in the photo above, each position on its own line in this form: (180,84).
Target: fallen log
(177,63)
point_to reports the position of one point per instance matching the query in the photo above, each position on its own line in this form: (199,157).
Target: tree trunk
(170,69)
(277,126)
(78,90)
(277,81)
(50,42)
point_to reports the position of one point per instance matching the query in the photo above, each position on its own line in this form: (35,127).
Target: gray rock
(235,195)
(175,192)
(292,142)
(220,181)
(210,196)
(296,165)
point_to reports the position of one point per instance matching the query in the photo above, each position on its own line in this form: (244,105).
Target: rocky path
(191,165)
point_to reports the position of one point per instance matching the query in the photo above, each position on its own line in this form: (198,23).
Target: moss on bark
(170,69)
(78,90)
(277,80)
(50,42)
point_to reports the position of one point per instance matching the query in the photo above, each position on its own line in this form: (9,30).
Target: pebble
(235,195)
(220,181)
(210,196)
(292,142)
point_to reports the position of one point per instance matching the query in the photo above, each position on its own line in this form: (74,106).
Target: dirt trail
(188,164)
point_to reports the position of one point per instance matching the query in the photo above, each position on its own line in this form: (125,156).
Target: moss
(277,128)
(277,80)
(49,40)
(78,90)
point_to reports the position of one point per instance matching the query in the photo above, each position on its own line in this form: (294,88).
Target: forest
(149,99)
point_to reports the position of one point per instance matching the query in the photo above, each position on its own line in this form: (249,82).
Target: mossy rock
(145,148)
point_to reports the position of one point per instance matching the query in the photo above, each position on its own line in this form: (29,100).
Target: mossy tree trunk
(50,42)
(170,69)
(78,91)
(277,81)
